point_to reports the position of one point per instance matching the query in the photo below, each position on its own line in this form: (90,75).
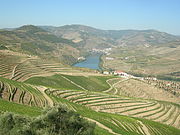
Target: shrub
(54,121)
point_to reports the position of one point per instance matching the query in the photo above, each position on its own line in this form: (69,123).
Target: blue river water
(91,62)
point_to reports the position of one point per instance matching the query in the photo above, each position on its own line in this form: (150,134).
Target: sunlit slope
(108,101)
(142,89)
(8,63)
(6,106)
(106,123)
(163,112)
(22,93)
(99,107)
(20,67)
(109,124)
(62,81)
(35,41)
(161,60)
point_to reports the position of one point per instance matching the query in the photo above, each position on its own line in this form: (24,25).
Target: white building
(106,72)
(109,58)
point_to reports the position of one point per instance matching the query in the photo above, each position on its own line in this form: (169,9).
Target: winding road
(42,90)
(113,86)
(102,126)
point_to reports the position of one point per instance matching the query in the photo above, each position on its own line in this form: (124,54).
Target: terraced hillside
(160,111)
(108,123)
(21,67)
(22,93)
(100,99)
(163,112)
(35,73)
(106,110)
(161,60)
(141,89)
(170,86)
(6,106)
(8,63)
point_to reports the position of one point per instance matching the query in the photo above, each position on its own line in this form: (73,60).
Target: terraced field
(7,64)
(163,112)
(111,102)
(21,68)
(170,86)
(112,113)
(6,106)
(21,93)
(140,89)
(56,81)
(61,81)
(109,123)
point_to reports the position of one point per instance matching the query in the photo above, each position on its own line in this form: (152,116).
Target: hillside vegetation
(88,37)
(141,52)
(33,40)
(40,93)
(54,121)
(160,61)
(101,106)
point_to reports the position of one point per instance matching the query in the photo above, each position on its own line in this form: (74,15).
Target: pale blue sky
(163,15)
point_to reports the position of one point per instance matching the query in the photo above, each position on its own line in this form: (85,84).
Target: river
(91,62)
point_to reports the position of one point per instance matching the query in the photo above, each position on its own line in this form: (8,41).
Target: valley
(36,72)
(160,61)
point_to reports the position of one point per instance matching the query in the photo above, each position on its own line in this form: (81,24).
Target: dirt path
(113,86)
(13,72)
(42,90)
(14,69)
(177,122)
(74,83)
(102,126)
(145,129)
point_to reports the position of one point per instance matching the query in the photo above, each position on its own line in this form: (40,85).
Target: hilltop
(32,40)
(89,37)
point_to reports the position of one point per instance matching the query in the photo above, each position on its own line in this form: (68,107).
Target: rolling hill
(35,41)
(35,73)
(89,37)
(161,61)
(113,114)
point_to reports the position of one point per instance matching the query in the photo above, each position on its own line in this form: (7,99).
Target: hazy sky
(163,15)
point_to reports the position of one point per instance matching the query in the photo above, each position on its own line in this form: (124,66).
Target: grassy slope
(93,83)
(33,112)
(84,111)
(105,119)
(33,40)
(23,93)
(55,81)
(19,108)
(20,85)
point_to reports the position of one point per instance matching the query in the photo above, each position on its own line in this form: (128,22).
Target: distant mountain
(89,37)
(84,36)
(67,43)
(36,41)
